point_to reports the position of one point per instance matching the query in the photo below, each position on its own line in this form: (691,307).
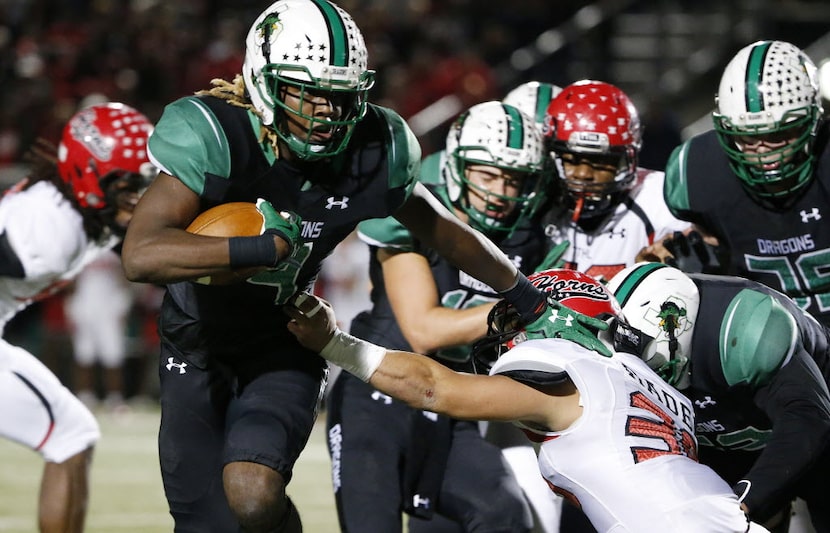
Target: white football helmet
(770,87)
(315,46)
(498,135)
(533,98)
(660,304)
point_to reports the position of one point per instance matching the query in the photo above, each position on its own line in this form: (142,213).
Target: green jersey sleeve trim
(758,336)
(404,152)
(386,233)
(189,142)
(676,189)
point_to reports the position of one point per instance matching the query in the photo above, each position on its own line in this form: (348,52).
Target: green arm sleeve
(188,142)
(757,337)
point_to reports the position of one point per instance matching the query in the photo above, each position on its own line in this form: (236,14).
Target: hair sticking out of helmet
(506,147)
(573,289)
(594,123)
(100,143)
(660,304)
(768,112)
(312,52)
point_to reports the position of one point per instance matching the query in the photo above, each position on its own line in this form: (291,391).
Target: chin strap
(579,202)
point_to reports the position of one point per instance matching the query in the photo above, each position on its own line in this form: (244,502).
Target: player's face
(488,188)
(766,150)
(584,172)
(770,152)
(123,194)
(313,110)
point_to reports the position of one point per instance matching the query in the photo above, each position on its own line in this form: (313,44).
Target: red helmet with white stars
(593,119)
(101,141)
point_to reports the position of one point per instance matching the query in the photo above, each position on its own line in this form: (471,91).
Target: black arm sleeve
(10,265)
(798,404)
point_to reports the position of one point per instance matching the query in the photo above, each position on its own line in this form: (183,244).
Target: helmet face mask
(306,73)
(573,289)
(660,304)
(593,133)
(769,94)
(494,167)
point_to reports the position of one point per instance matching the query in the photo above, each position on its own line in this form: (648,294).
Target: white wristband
(353,355)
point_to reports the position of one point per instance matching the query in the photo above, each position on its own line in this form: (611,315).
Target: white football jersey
(47,235)
(637,222)
(629,461)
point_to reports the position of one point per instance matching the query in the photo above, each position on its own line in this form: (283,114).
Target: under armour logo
(343,202)
(377,395)
(172,363)
(620,233)
(554,316)
(707,400)
(814,214)
(418,501)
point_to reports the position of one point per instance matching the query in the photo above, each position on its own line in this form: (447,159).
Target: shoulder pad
(431,169)
(189,141)
(757,337)
(404,152)
(386,233)
(531,365)
(675,188)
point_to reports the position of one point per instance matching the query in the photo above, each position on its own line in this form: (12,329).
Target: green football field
(126,494)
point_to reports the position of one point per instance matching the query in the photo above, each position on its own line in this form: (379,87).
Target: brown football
(233,219)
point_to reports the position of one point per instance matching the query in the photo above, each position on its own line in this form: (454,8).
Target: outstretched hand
(560,322)
(312,320)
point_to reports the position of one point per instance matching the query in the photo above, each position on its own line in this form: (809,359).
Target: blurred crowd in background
(56,55)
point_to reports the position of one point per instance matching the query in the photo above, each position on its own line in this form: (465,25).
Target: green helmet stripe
(633,280)
(754,72)
(515,127)
(543,97)
(337,34)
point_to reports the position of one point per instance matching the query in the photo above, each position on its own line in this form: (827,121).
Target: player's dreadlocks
(42,157)
(235,94)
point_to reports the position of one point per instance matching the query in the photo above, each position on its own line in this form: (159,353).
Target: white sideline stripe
(97,521)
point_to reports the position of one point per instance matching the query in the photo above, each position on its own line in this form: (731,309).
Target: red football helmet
(99,142)
(594,120)
(573,289)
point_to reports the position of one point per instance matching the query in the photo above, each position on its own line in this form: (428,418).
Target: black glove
(692,254)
